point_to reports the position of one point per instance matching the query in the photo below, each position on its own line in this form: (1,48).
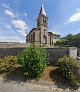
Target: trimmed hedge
(70,68)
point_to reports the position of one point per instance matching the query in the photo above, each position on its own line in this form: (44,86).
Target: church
(40,35)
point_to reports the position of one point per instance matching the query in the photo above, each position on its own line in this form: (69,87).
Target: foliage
(69,67)
(34,60)
(7,64)
(69,41)
(57,43)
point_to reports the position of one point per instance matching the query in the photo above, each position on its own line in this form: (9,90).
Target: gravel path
(16,87)
(13,86)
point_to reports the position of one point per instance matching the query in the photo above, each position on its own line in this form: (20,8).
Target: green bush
(34,60)
(7,64)
(70,69)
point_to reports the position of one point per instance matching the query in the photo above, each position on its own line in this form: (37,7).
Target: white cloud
(74,18)
(54,30)
(5,5)
(11,39)
(25,14)
(22,32)
(9,13)
(16,24)
(20,24)
(78,9)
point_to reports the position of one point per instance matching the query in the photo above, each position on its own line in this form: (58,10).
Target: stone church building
(40,35)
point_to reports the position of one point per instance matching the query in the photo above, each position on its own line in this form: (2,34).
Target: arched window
(52,42)
(44,39)
(43,21)
(31,37)
(38,23)
(44,30)
(34,36)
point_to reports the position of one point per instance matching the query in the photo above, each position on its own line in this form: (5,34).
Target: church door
(44,40)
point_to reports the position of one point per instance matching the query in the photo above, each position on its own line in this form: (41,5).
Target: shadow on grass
(60,81)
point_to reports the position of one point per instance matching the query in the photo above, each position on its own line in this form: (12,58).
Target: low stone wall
(54,53)
(13,45)
(10,51)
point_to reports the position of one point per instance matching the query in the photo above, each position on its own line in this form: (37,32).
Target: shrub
(34,60)
(69,67)
(7,64)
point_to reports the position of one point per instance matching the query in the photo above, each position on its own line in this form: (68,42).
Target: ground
(14,82)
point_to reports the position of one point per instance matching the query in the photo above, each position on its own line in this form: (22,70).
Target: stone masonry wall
(14,49)
(54,53)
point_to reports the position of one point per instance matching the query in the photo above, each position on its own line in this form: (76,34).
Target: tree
(70,41)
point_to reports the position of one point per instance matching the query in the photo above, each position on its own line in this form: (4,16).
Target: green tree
(70,41)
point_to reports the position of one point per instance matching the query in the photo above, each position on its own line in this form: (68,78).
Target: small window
(52,42)
(31,37)
(45,21)
(34,36)
(44,29)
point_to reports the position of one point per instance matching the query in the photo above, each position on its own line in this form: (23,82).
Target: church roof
(34,29)
(42,11)
(53,34)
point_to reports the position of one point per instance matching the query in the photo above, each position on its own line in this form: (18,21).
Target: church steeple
(42,11)
(42,19)
(42,26)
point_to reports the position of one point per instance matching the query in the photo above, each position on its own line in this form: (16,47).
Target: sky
(18,17)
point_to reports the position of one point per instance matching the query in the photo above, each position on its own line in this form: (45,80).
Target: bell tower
(42,25)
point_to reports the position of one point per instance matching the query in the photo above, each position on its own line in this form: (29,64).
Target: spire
(42,11)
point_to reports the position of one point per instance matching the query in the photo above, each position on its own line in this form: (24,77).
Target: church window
(31,37)
(43,21)
(38,23)
(52,42)
(44,29)
(34,36)
(26,40)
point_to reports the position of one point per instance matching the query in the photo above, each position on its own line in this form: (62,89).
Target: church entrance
(44,39)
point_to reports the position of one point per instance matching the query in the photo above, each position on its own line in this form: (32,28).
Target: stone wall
(13,45)
(54,53)
(10,51)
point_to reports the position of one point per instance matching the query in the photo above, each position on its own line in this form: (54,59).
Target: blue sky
(18,17)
